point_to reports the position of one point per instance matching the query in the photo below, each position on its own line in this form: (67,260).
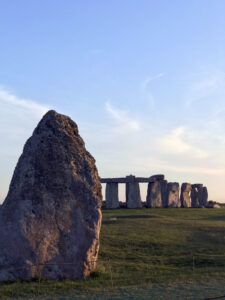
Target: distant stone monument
(51,217)
(160,193)
(133,196)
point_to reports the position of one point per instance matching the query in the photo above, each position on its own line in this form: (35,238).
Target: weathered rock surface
(173,199)
(111,195)
(199,195)
(185,198)
(133,196)
(132,178)
(154,196)
(204,196)
(163,186)
(51,218)
(194,197)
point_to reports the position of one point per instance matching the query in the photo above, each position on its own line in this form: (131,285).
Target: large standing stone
(51,217)
(111,195)
(133,196)
(173,199)
(185,198)
(197,195)
(204,196)
(163,186)
(154,196)
(194,197)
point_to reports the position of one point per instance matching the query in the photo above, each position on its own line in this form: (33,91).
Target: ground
(157,253)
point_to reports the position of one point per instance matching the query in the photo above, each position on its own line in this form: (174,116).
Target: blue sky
(144,81)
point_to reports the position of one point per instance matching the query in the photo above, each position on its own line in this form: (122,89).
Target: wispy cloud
(146,87)
(121,118)
(160,164)
(207,85)
(175,143)
(29,106)
(145,83)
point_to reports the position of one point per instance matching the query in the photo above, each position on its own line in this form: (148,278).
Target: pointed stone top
(53,121)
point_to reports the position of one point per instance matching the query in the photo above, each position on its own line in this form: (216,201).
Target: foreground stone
(185,197)
(50,220)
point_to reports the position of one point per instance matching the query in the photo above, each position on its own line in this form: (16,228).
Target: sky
(144,80)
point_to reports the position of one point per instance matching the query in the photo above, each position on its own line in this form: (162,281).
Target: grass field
(152,251)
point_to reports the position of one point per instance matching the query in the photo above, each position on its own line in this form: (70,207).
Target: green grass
(143,247)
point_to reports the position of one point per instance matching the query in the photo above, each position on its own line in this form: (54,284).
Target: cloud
(145,87)
(207,86)
(121,118)
(28,106)
(145,83)
(195,170)
(174,143)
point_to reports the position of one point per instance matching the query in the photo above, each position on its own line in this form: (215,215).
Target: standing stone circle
(51,217)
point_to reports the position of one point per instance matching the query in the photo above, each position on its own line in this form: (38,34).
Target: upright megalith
(133,195)
(154,195)
(172,195)
(204,196)
(163,187)
(51,217)
(111,195)
(197,195)
(185,197)
(194,197)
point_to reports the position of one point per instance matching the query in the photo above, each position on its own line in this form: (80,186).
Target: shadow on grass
(215,218)
(136,217)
